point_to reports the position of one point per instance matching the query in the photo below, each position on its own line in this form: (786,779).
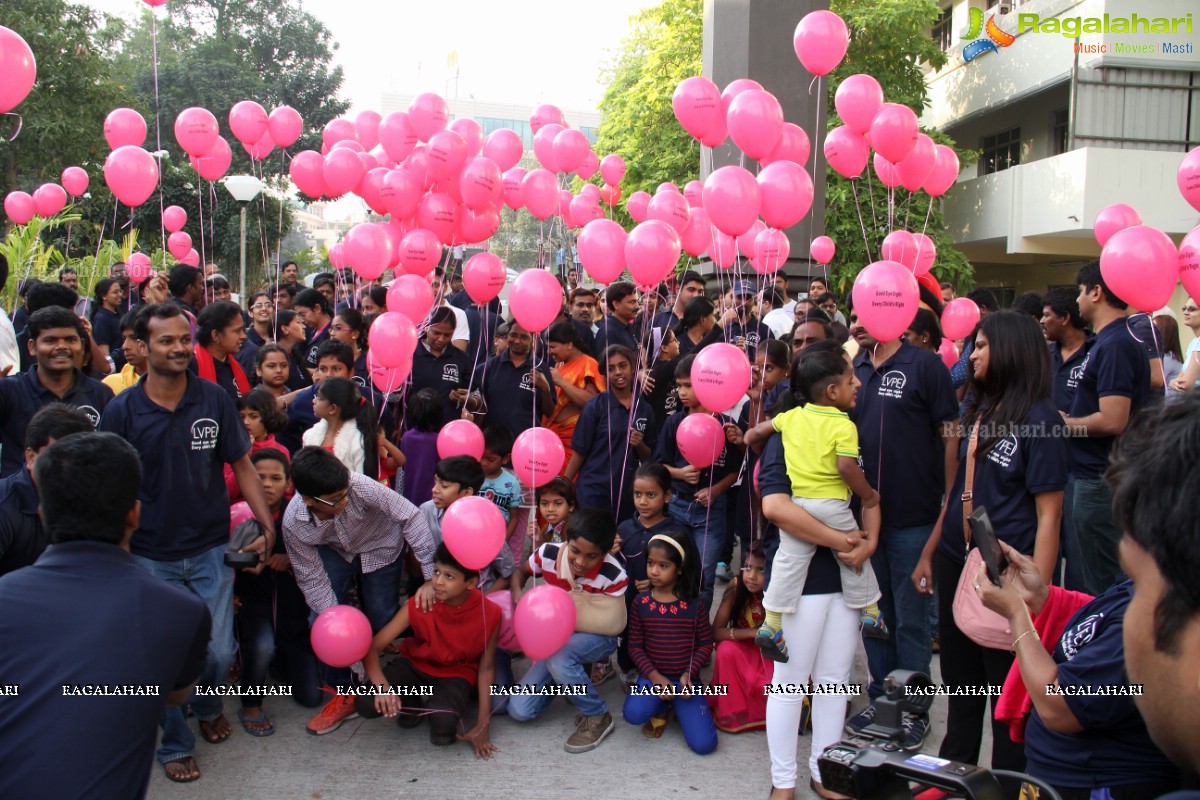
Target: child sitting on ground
(555,502)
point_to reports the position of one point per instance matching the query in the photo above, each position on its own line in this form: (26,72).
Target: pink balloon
(917,165)
(285,126)
(1187,177)
(887,172)
(504,147)
(192,259)
(460,437)
(49,199)
(846,151)
(638,206)
(693,192)
(570,149)
(899,246)
(793,146)
(213,165)
(701,439)
(342,171)
(481,184)
(196,130)
(720,376)
(543,621)
(652,251)
(307,172)
(612,168)
(248,121)
(388,379)
(926,254)
(755,122)
(959,318)
(546,114)
(337,256)
(368,250)
(392,340)
(564,203)
(886,299)
(894,131)
(445,155)
(428,114)
(584,210)
(18,67)
(948,352)
(732,90)
(366,126)
(514,192)
(822,249)
(131,174)
(671,208)
(239,512)
(543,145)
(19,207)
(732,198)
(471,133)
(820,40)
(857,100)
(697,105)
(411,296)
(260,149)
(371,189)
(717,136)
(724,250)
(745,242)
(339,130)
(484,275)
(139,267)
(478,226)
(508,636)
(539,190)
(535,299)
(75,180)
(602,250)
(944,172)
(420,251)
(174,218)
(697,236)
(667,186)
(179,244)
(397,136)
(1141,266)
(1113,218)
(1189,262)
(771,250)
(786,193)
(610,195)
(438,213)
(124,126)
(589,167)
(400,193)
(538,456)
(341,636)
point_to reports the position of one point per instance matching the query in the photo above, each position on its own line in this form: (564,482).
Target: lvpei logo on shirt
(892,384)
(204,434)
(92,414)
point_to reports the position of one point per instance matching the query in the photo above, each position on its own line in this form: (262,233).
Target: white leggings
(821,636)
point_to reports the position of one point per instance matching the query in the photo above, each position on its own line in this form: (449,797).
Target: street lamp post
(244,188)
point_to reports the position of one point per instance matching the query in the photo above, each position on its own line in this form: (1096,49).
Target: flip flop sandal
(184,761)
(655,727)
(207,730)
(261,719)
(772,647)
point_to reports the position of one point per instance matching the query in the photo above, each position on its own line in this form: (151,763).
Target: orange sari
(577,371)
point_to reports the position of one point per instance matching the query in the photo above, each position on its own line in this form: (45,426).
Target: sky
(523,52)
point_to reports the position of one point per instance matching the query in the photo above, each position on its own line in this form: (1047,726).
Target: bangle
(1022,636)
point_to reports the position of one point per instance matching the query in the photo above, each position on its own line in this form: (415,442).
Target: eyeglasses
(338,328)
(262,306)
(1190,309)
(330,503)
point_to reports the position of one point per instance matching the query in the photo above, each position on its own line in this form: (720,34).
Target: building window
(1058,135)
(943,29)
(1004,5)
(1000,151)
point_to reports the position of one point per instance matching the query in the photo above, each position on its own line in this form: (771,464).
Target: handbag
(979,623)
(595,612)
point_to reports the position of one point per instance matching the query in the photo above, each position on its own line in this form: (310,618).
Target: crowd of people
(143,419)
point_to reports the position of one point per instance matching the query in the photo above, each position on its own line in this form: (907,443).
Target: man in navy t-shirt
(617,327)
(186,430)
(514,388)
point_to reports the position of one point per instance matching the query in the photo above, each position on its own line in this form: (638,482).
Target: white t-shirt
(9,354)
(780,321)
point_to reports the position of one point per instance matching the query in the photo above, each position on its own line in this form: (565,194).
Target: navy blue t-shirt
(605,479)
(668,454)
(1029,461)
(753,331)
(443,374)
(1117,365)
(634,538)
(106,329)
(1065,375)
(88,615)
(512,399)
(185,507)
(313,345)
(1114,748)
(901,407)
(23,395)
(610,331)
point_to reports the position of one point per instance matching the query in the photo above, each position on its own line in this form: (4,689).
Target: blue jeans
(504,677)
(905,610)
(1073,576)
(207,577)
(380,594)
(565,668)
(693,713)
(1096,533)
(708,531)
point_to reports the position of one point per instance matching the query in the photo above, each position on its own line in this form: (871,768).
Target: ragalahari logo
(996,38)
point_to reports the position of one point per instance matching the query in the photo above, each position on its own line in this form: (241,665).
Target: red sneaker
(337,711)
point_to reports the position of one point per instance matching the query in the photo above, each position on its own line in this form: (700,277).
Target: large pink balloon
(917,165)
(196,130)
(1189,262)
(671,208)
(820,40)
(745,242)
(546,114)
(460,437)
(504,147)
(260,149)
(192,259)
(478,226)
(400,193)
(174,218)
(732,90)
(886,299)
(484,276)
(445,155)
(612,168)
(481,184)
(131,174)
(1187,177)
(771,250)
(18,69)
(368,250)
(944,172)
(822,249)
(248,121)
(537,456)
(857,100)
(793,145)
(959,318)
(717,136)
(420,251)
(392,339)
(543,145)
(948,352)
(846,151)
(732,198)
(514,193)
(700,439)
(1141,266)
(471,133)
(570,149)
(124,126)
(543,621)
(755,122)
(894,131)
(75,180)
(438,213)
(307,172)
(786,193)
(899,246)
(638,206)
(397,136)
(651,251)
(697,236)
(428,114)
(584,209)
(535,299)
(693,192)
(926,254)
(179,244)
(589,167)
(724,250)
(1113,218)
(387,379)
(720,376)
(341,636)
(411,296)
(887,172)
(602,250)
(342,171)
(339,130)
(19,207)
(285,126)
(539,190)
(610,195)
(697,105)
(366,125)
(473,529)
(139,267)
(49,199)
(213,165)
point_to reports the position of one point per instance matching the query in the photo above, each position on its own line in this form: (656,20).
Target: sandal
(209,729)
(770,642)
(185,770)
(657,724)
(264,726)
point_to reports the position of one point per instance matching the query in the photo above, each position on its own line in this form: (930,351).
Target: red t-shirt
(448,642)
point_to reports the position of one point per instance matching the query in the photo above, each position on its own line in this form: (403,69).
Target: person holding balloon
(514,387)
(437,364)
(744,330)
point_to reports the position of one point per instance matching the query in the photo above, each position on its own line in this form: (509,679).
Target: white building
(1075,104)
(493,115)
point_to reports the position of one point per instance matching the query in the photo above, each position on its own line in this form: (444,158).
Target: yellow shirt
(813,438)
(122,380)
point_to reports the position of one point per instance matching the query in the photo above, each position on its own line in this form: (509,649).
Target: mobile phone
(984,536)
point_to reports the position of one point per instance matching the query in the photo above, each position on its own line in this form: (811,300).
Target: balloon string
(162,230)
(20,123)
(862,224)
(812,209)
(871,197)
(928,213)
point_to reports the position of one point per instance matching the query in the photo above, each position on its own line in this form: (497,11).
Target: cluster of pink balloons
(47,200)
